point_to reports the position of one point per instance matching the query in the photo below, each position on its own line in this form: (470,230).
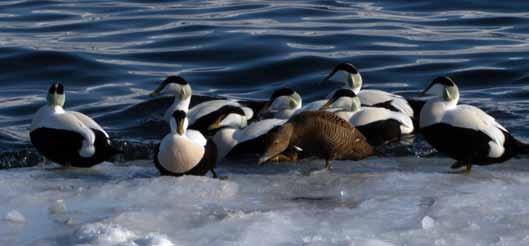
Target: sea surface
(111,54)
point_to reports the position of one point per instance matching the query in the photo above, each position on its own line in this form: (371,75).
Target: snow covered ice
(398,201)
(15,217)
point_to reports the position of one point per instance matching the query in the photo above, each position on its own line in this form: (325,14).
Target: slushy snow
(58,207)
(14,216)
(397,201)
(427,222)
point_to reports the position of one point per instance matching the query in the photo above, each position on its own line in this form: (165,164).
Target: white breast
(196,137)
(372,97)
(179,154)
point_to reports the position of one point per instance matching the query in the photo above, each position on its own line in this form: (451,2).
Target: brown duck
(321,134)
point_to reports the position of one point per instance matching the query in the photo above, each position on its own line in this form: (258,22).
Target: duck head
(174,85)
(229,117)
(278,143)
(445,87)
(343,100)
(350,76)
(56,95)
(282,99)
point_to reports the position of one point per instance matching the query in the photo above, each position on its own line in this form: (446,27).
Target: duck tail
(521,147)
(115,151)
(380,150)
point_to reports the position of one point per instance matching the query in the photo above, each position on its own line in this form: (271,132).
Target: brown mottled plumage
(322,134)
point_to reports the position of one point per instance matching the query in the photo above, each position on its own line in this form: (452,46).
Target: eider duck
(321,134)
(177,86)
(285,102)
(373,98)
(184,152)
(463,132)
(236,140)
(379,125)
(282,104)
(68,138)
(201,115)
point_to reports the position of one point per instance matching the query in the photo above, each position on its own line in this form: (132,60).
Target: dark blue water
(111,54)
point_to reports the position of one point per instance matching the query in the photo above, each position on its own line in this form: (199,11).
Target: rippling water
(110,54)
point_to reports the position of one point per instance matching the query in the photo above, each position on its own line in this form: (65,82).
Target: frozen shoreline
(398,201)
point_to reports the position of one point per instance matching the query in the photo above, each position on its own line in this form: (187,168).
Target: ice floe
(398,201)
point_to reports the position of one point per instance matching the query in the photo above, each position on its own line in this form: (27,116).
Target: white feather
(372,97)
(88,122)
(234,121)
(248,112)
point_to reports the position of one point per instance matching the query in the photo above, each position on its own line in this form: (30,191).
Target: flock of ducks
(350,124)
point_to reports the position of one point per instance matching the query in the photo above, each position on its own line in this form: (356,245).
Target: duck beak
(425,91)
(264,110)
(326,105)
(216,125)
(292,102)
(263,160)
(156,92)
(180,129)
(329,76)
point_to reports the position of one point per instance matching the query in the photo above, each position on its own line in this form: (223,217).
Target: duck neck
(179,104)
(56,109)
(354,82)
